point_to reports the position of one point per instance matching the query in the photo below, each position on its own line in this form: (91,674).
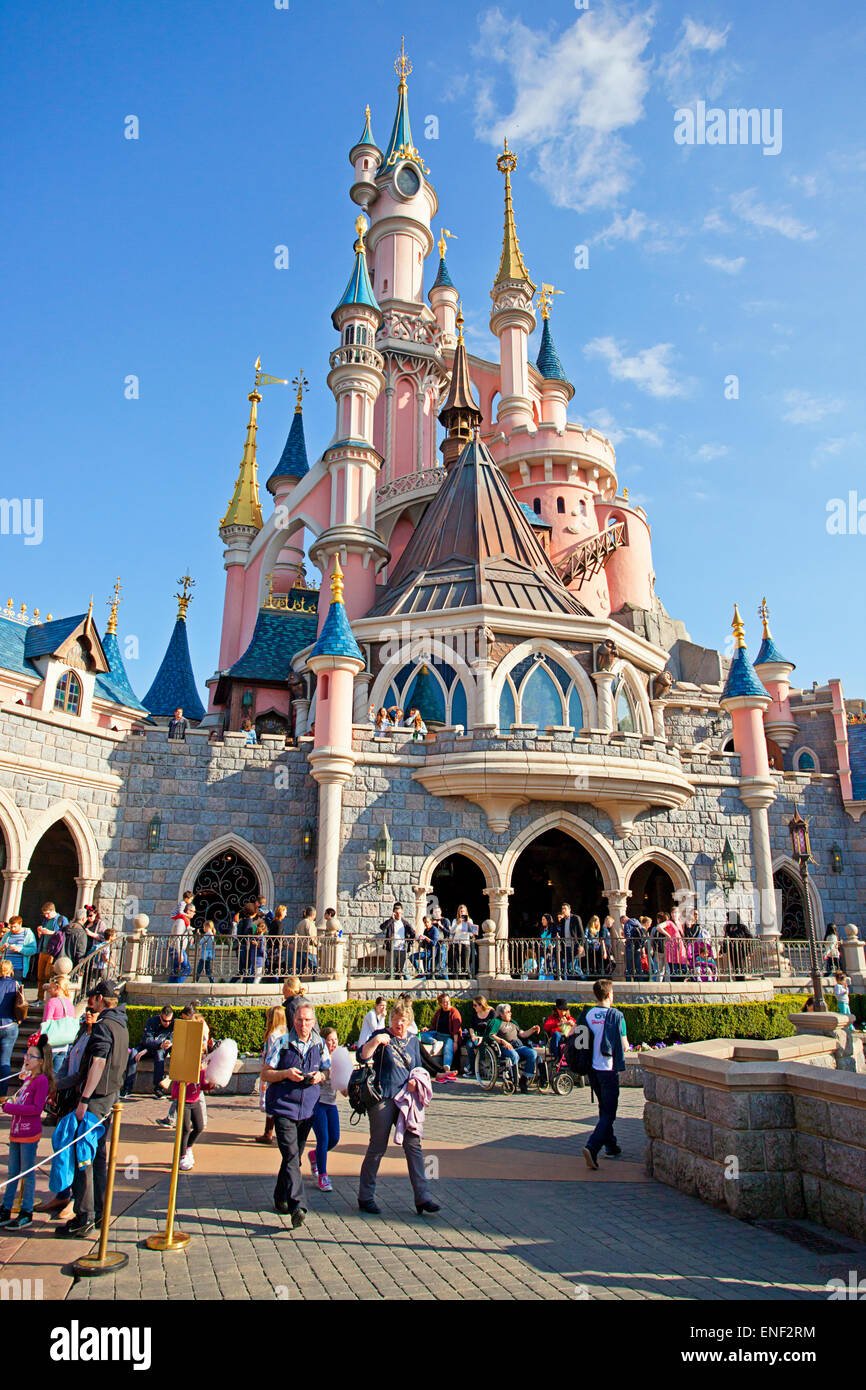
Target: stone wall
(762,1129)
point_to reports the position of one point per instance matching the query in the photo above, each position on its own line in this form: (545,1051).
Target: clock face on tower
(407,180)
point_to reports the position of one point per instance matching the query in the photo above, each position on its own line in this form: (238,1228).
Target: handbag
(20,1008)
(60,1032)
(363,1089)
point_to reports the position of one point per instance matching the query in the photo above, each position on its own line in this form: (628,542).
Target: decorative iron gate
(224,886)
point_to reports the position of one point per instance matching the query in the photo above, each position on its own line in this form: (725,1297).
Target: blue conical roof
(742,679)
(426,696)
(367,133)
(115,683)
(359,290)
(547,361)
(174,683)
(401,145)
(770,652)
(336,637)
(293,460)
(442,277)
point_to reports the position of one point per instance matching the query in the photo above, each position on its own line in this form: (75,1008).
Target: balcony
(355,355)
(410,486)
(591,555)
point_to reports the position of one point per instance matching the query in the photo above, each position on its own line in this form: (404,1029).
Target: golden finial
(337,582)
(23,609)
(360,228)
(460,321)
(511,264)
(303,385)
(111,625)
(300,577)
(185,599)
(90,610)
(764,615)
(545,297)
(402,67)
(10,605)
(625,494)
(367,110)
(269,578)
(442,244)
(739,630)
(48,617)
(36,615)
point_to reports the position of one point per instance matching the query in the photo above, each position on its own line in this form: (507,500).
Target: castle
(492,575)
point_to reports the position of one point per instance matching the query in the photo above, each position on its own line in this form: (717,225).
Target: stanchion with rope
(184,1067)
(106,1261)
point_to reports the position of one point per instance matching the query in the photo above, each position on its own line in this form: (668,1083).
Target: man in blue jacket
(292,1095)
(607,1028)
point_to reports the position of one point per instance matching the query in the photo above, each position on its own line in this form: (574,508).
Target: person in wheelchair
(557,1027)
(505,1034)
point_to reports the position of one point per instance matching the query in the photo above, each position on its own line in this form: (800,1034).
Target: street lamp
(154,834)
(729,865)
(309,839)
(801,850)
(384,856)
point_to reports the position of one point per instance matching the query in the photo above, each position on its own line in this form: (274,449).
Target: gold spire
(442,244)
(337,582)
(460,321)
(764,615)
(244,508)
(185,599)
(402,67)
(511,265)
(111,625)
(360,228)
(739,630)
(90,610)
(545,298)
(367,110)
(303,385)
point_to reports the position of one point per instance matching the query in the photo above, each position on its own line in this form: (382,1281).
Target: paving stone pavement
(517,1237)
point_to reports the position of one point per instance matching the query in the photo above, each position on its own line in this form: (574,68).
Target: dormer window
(67,696)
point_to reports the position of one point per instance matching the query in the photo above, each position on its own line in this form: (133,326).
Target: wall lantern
(836,864)
(729,865)
(798,829)
(154,834)
(247,699)
(309,839)
(384,859)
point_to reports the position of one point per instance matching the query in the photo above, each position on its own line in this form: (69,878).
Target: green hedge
(645,1023)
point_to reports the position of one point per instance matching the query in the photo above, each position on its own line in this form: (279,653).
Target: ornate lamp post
(801,850)
(384,856)
(729,872)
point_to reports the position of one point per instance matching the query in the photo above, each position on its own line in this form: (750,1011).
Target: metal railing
(103,961)
(224,959)
(446,961)
(697,961)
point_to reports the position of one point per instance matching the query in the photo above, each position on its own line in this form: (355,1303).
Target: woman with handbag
(11,1001)
(397,1056)
(58,1021)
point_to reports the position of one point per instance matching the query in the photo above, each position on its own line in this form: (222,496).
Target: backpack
(363,1090)
(578,1047)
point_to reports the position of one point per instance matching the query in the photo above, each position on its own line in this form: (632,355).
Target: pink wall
(840,721)
(750,742)
(334,711)
(629,569)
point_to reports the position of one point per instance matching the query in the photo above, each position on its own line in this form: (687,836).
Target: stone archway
(658,881)
(787,881)
(589,878)
(243,878)
(53,875)
(457,880)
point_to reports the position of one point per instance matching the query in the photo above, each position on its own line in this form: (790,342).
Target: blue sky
(155,258)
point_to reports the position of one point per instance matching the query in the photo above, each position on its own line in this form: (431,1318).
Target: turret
(746,699)
(356,379)
(174,683)
(459,415)
(116,681)
(443,295)
(365,158)
(774,671)
(512,318)
(556,389)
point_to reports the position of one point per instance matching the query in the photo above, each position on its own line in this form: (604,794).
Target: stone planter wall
(763,1129)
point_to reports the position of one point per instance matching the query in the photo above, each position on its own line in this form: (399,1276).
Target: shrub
(645,1023)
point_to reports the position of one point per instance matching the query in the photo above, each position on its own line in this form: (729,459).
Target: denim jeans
(8,1039)
(520,1053)
(605,1085)
(326,1127)
(447,1045)
(205,965)
(21,1157)
(179,967)
(632,960)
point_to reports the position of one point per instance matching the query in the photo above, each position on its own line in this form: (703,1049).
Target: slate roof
(548,360)
(12,638)
(770,652)
(442,277)
(359,290)
(115,685)
(278,636)
(742,679)
(174,683)
(44,638)
(293,460)
(533,518)
(475,545)
(336,638)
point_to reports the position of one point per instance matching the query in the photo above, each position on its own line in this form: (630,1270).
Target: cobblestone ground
(521,1218)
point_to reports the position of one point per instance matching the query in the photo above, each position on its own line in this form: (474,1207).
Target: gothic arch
(676,868)
(784,861)
(14,830)
(637,690)
(795,762)
(275,539)
(439,652)
(240,846)
(564,659)
(489,864)
(89,858)
(586,835)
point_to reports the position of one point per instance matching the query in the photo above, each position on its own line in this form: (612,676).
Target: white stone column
(361,697)
(604,685)
(758,793)
(389,430)
(328,852)
(498,899)
(85,892)
(485,713)
(301,708)
(658,713)
(13,883)
(422,893)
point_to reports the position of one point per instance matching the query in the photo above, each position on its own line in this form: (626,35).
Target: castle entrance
(554,869)
(53,867)
(456,880)
(651,890)
(225,884)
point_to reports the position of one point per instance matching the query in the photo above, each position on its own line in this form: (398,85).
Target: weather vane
(262,379)
(303,385)
(545,297)
(402,67)
(442,244)
(112,607)
(507,161)
(185,599)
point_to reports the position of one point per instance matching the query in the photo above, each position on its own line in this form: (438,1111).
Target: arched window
(560,506)
(349,336)
(507,709)
(67,696)
(626,720)
(575,709)
(806,761)
(361,334)
(540,700)
(536,505)
(458,704)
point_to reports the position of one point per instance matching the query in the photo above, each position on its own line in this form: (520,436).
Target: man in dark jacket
(569,929)
(100,1076)
(292,1095)
(77,939)
(607,1029)
(155,1043)
(635,940)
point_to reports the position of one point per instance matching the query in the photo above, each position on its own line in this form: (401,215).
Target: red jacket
(26,1108)
(448,1021)
(554,1023)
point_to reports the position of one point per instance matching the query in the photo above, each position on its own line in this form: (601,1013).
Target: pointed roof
(474,545)
(359,290)
(741,680)
(115,685)
(279,634)
(401,145)
(293,460)
(366,133)
(511,263)
(460,409)
(442,278)
(336,637)
(547,361)
(244,508)
(174,683)
(426,697)
(768,652)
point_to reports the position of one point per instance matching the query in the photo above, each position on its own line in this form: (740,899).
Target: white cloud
(714,222)
(707,452)
(572,93)
(767,219)
(692,69)
(830,448)
(805,409)
(806,183)
(629,228)
(617,432)
(649,369)
(728,267)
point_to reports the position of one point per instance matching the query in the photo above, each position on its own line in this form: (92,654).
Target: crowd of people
(256,942)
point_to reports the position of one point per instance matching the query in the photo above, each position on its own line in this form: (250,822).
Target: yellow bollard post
(170,1239)
(184,1068)
(106,1261)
